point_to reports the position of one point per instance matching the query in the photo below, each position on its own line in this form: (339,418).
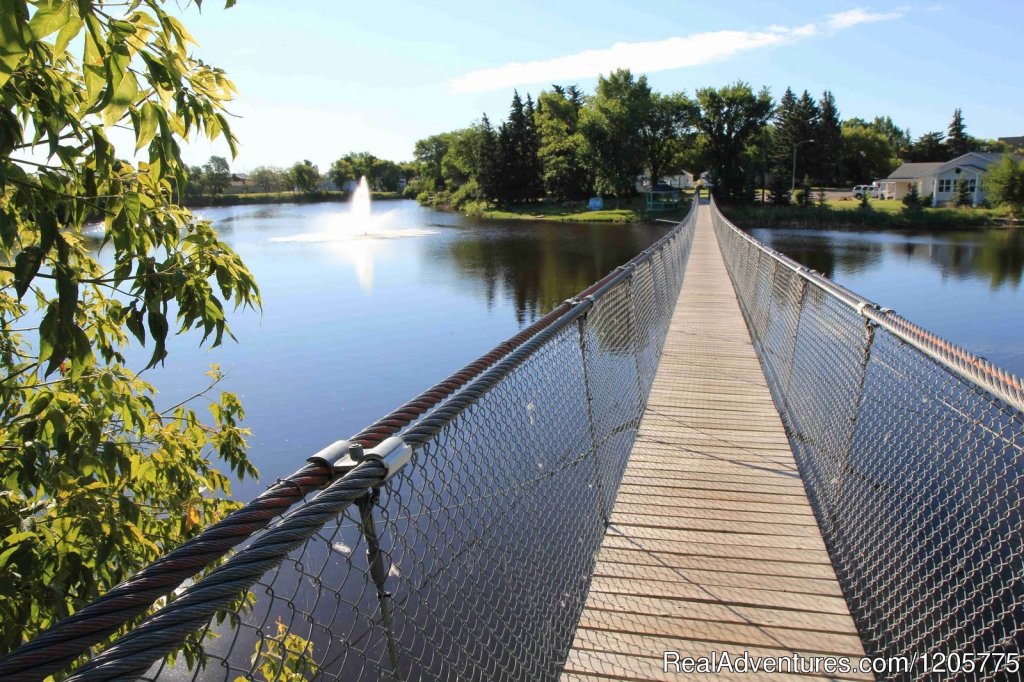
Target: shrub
(912,200)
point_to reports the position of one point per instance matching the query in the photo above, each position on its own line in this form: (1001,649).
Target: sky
(318,79)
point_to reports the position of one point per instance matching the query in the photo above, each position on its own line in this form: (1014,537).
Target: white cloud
(853,17)
(661,55)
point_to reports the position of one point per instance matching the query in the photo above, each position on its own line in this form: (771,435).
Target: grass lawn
(881,214)
(632,210)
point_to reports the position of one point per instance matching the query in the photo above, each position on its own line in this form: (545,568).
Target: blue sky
(318,79)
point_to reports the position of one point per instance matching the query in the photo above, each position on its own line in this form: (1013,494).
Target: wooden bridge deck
(712,544)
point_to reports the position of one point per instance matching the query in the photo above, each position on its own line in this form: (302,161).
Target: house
(682,181)
(1014,143)
(938,179)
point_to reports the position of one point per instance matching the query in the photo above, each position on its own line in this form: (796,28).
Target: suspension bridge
(711,449)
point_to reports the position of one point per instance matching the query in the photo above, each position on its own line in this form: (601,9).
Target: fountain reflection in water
(359,235)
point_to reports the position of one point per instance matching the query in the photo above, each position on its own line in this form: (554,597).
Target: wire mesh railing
(912,453)
(461,548)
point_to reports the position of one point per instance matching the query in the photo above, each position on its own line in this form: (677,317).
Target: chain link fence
(470,562)
(911,451)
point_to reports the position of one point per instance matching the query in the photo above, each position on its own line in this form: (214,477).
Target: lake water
(964,286)
(352,327)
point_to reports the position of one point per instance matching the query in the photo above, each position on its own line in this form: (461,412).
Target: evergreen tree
(489,177)
(533,172)
(958,142)
(796,120)
(807,124)
(829,136)
(784,136)
(778,191)
(517,170)
(962,194)
(912,200)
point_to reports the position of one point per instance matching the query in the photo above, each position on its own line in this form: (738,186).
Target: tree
(429,153)
(912,200)
(195,185)
(898,139)
(829,140)
(730,119)
(610,125)
(488,179)
(796,120)
(666,128)
(305,177)
(267,178)
(341,173)
(565,163)
(217,174)
(929,147)
(98,481)
(962,194)
(1004,183)
(866,153)
(958,142)
(517,170)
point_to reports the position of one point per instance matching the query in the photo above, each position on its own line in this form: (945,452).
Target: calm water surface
(352,327)
(964,286)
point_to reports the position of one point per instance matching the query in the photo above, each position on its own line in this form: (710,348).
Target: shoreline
(854,219)
(254,198)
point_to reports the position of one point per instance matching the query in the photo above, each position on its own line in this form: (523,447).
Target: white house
(939,178)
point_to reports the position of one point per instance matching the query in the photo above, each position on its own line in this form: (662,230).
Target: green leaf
(146,129)
(135,326)
(124,88)
(13,43)
(8,229)
(67,34)
(158,330)
(6,554)
(51,17)
(67,297)
(82,357)
(26,265)
(92,63)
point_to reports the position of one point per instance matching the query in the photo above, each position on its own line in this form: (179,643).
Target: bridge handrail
(992,378)
(911,452)
(59,647)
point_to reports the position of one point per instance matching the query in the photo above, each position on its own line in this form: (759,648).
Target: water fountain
(360,206)
(355,235)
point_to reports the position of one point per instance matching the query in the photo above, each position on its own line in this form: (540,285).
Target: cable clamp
(341,456)
(394,453)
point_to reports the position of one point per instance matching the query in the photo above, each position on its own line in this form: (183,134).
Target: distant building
(939,178)
(1014,143)
(239,184)
(682,181)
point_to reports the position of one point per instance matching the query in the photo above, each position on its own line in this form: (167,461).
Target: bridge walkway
(712,544)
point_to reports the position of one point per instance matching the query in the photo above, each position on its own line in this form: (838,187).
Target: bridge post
(602,503)
(375,562)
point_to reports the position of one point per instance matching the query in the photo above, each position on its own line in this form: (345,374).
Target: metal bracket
(342,456)
(394,453)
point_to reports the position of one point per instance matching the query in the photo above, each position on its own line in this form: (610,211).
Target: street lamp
(793,188)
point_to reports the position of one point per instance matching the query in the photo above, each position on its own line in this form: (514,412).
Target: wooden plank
(712,543)
(648,646)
